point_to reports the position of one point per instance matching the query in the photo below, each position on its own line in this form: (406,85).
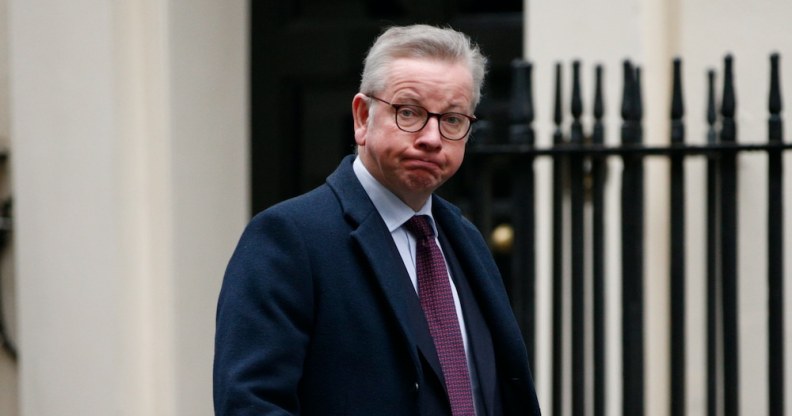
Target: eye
(408,112)
(453,119)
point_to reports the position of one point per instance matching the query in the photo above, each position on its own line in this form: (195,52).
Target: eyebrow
(409,99)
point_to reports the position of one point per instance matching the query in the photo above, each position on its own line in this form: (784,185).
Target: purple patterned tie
(434,290)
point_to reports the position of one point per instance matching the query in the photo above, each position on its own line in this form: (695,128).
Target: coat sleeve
(264,319)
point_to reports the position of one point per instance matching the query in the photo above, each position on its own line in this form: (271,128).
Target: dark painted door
(306,57)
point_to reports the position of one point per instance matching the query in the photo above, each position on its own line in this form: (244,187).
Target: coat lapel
(485,282)
(372,237)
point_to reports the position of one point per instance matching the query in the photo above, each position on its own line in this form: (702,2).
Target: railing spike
(529,103)
(728,103)
(712,114)
(521,106)
(638,100)
(520,110)
(677,106)
(577,99)
(677,103)
(558,114)
(599,100)
(775,104)
(627,93)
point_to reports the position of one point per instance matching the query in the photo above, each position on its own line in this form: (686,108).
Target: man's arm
(264,318)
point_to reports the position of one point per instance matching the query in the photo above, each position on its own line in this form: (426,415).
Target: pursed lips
(425,163)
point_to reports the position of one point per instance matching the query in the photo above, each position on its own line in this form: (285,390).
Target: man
(340,301)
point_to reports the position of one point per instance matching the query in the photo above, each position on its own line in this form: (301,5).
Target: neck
(415,203)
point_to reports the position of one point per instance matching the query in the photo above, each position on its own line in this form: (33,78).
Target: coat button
(416,386)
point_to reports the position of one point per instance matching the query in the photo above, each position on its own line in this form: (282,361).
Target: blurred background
(139,137)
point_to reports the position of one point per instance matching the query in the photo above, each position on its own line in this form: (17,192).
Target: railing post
(728,188)
(632,211)
(677,249)
(523,201)
(598,248)
(558,253)
(713,284)
(775,246)
(577,200)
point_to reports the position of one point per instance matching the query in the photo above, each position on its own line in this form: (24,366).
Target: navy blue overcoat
(317,315)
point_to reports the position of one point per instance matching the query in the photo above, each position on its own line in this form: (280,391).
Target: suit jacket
(317,315)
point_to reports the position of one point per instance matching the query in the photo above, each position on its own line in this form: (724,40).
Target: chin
(423,183)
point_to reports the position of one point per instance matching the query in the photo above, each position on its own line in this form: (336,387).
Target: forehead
(429,78)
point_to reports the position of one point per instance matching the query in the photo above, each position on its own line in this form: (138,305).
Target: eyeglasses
(412,118)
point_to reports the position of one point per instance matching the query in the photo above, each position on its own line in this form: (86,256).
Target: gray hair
(421,41)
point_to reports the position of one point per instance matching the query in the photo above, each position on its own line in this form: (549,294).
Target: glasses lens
(411,118)
(454,125)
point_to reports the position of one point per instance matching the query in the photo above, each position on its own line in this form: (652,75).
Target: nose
(429,137)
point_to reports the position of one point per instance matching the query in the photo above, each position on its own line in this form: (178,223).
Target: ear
(360,114)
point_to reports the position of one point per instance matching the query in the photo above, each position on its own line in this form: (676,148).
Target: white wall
(129,134)
(651,33)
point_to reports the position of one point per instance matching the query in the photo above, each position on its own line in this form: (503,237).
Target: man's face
(413,165)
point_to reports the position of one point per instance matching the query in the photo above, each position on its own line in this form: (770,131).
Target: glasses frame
(429,114)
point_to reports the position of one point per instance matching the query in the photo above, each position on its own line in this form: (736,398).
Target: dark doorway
(306,58)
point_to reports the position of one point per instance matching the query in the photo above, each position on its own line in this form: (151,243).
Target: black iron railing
(578,184)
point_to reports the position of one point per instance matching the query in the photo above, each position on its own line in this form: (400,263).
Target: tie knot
(420,227)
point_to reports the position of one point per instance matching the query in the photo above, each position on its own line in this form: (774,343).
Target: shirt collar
(392,209)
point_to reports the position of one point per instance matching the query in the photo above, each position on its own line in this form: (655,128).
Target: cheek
(455,157)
